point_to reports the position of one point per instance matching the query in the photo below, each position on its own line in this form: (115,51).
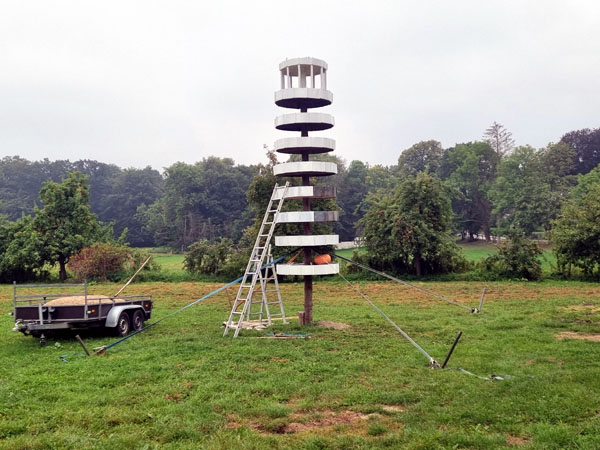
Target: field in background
(474,251)
(478,250)
(171,264)
(182,385)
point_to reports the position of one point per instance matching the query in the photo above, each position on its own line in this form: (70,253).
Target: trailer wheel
(137,320)
(122,327)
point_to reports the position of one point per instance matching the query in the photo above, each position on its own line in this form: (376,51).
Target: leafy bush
(99,261)
(216,258)
(518,258)
(108,261)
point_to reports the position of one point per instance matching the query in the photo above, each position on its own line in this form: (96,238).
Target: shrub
(108,261)
(216,258)
(516,258)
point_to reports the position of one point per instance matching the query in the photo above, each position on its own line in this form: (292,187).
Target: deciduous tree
(421,157)
(350,197)
(499,138)
(471,170)
(586,144)
(409,230)
(65,224)
(576,233)
(521,192)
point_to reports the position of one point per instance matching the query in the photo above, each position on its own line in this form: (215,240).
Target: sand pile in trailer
(80,300)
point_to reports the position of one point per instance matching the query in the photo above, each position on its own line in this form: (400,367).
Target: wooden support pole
(308,282)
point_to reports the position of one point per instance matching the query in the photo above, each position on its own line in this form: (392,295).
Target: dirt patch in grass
(304,422)
(516,440)
(578,336)
(334,325)
(279,360)
(299,422)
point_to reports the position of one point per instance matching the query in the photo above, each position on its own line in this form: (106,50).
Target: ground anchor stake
(82,344)
(481,301)
(452,349)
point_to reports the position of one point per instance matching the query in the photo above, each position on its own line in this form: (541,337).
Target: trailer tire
(123,324)
(137,320)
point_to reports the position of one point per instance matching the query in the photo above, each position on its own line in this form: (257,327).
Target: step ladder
(253,273)
(269,287)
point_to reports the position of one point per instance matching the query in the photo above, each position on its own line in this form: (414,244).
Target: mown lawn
(182,385)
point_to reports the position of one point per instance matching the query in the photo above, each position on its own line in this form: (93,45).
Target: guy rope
(398,280)
(104,348)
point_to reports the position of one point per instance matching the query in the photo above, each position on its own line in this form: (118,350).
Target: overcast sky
(155,82)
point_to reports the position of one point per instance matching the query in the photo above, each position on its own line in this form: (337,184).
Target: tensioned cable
(106,347)
(432,362)
(398,280)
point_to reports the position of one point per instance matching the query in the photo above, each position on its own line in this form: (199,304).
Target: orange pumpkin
(322,259)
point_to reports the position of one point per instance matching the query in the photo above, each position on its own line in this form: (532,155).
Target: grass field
(182,385)
(171,264)
(478,250)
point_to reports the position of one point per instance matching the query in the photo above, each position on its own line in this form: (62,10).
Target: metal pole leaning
(134,275)
(432,362)
(451,349)
(481,301)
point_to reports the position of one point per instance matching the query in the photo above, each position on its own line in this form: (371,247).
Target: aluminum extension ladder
(253,274)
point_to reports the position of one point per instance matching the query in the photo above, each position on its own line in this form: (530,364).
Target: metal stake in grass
(82,344)
(452,349)
(478,310)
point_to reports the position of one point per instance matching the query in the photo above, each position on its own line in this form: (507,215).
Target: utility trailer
(39,314)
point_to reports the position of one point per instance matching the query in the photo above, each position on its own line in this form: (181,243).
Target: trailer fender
(115,312)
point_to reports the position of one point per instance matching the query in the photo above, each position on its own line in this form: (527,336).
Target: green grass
(478,250)
(182,385)
(170,264)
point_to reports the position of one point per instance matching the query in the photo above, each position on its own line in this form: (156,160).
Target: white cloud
(138,83)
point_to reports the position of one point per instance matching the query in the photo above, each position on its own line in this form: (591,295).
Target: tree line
(492,189)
